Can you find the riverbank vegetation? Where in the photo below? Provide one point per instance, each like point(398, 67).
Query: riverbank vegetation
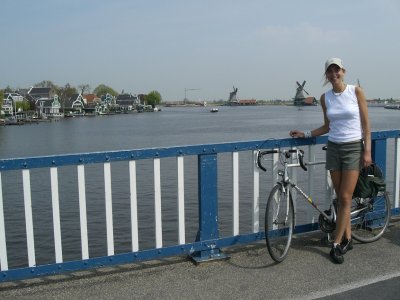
point(22, 101)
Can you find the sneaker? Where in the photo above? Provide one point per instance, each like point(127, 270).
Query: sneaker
point(336, 254)
point(346, 245)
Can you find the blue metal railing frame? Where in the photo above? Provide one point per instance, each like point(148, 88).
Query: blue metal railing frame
point(208, 242)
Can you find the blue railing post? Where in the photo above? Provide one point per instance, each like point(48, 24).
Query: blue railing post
point(379, 154)
point(208, 209)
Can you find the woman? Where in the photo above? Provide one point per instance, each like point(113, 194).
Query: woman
point(349, 146)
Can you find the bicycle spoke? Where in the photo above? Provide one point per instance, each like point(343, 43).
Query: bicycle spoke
point(370, 218)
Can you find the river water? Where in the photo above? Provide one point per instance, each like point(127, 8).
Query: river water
point(171, 127)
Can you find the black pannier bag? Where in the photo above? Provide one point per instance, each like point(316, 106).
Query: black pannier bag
point(370, 182)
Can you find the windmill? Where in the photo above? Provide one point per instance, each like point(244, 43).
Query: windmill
point(232, 96)
point(299, 98)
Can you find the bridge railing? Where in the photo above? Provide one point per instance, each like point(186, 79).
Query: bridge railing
point(152, 197)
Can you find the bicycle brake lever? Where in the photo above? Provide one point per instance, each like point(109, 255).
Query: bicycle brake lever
point(259, 155)
point(300, 156)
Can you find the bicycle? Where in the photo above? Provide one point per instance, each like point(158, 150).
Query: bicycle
point(369, 216)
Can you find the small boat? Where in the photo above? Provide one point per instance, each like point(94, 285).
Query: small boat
point(13, 121)
point(392, 106)
point(213, 110)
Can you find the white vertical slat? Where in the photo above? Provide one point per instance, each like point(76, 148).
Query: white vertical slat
point(310, 169)
point(311, 179)
point(235, 184)
point(330, 191)
point(181, 199)
point(56, 214)
point(82, 211)
point(3, 247)
point(157, 202)
point(28, 217)
point(275, 178)
point(397, 173)
point(275, 167)
point(134, 211)
point(328, 187)
point(109, 216)
point(256, 194)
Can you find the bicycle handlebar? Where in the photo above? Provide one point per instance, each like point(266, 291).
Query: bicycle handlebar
point(299, 153)
point(260, 155)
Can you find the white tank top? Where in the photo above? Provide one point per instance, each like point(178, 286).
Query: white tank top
point(344, 115)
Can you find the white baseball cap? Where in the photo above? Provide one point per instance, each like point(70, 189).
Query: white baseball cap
point(333, 61)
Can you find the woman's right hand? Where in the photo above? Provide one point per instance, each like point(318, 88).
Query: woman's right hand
point(296, 134)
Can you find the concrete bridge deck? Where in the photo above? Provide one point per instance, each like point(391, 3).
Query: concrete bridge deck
point(370, 271)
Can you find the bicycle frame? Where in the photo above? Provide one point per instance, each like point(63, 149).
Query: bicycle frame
point(285, 181)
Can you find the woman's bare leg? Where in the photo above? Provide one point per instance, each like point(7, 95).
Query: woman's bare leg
point(344, 183)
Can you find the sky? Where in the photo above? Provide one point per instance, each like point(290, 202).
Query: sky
point(205, 47)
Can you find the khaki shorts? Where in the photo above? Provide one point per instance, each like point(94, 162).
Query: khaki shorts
point(346, 156)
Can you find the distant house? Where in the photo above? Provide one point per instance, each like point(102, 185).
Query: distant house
point(37, 93)
point(75, 103)
point(242, 102)
point(108, 104)
point(8, 107)
point(91, 100)
point(127, 102)
point(248, 102)
point(310, 101)
point(13, 97)
point(9, 101)
point(49, 108)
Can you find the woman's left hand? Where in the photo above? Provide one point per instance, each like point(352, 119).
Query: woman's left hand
point(367, 158)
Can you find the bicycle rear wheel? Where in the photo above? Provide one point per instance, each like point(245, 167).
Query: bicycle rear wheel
point(279, 222)
point(370, 217)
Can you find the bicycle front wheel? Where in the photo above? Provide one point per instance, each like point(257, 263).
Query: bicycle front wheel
point(279, 222)
point(370, 217)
